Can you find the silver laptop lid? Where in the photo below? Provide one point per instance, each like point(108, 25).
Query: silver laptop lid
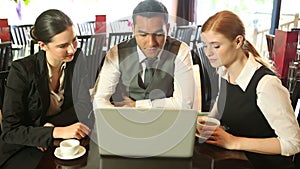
point(140, 132)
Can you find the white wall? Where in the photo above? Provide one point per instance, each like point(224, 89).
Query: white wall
point(78, 10)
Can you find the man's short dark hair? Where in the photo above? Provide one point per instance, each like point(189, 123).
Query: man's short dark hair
point(149, 9)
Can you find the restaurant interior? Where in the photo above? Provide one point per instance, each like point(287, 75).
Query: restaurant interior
point(99, 31)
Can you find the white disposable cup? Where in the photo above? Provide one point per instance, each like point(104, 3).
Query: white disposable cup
point(206, 126)
point(69, 147)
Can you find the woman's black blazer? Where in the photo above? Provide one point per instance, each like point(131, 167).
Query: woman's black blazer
point(27, 99)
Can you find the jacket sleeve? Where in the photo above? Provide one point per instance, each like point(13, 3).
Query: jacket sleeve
point(19, 124)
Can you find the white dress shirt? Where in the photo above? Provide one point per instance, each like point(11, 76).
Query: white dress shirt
point(184, 85)
point(273, 99)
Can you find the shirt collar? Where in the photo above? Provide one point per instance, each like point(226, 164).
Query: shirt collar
point(246, 74)
point(63, 66)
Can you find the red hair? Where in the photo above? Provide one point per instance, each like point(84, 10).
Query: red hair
point(230, 25)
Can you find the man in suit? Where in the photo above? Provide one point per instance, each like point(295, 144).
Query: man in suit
point(149, 70)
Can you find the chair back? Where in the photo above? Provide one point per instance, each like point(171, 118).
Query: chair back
point(197, 36)
point(86, 28)
point(209, 80)
point(5, 55)
point(92, 48)
point(22, 42)
point(122, 25)
point(295, 97)
point(3, 77)
point(294, 86)
point(20, 34)
point(270, 44)
point(118, 37)
point(184, 33)
point(4, 32)
point(197, 97)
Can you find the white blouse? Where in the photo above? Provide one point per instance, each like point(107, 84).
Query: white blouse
point(273, 99)
point(56, 99)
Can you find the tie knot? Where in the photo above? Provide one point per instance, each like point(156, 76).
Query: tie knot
point(149, 62)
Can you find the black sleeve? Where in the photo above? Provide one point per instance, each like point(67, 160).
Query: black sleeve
point(19, 125)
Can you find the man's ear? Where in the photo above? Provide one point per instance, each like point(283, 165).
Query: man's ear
point(168, 28)
point(132, 27)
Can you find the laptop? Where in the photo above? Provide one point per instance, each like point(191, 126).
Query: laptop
point(142, 132)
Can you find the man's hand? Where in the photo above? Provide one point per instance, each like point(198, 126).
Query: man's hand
point(127, 102)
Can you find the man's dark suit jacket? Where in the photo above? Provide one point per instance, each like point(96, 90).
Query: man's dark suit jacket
point(27, 98)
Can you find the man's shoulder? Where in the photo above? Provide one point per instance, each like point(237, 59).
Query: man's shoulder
point(173, 41)
point(128, 43)
point(174, 45)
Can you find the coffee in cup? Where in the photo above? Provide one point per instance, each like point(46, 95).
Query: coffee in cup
point(69, 147)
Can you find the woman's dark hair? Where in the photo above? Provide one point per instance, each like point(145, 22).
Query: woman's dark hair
point(48, 24)
point(150, 8)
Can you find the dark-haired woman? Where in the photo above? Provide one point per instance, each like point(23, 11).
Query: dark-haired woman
point(46, 95)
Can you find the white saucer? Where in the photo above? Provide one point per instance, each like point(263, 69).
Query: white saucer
point(80, 153)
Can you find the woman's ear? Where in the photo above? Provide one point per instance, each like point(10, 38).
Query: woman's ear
point(42, 45)
point(239, 40)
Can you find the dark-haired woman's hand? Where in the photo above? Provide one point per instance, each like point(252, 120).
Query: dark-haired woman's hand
point(77, 130)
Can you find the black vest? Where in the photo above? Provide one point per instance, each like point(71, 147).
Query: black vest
point(130, 82)
point(241, 115)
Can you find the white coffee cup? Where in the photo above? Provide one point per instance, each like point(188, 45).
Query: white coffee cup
point(69, 147)
point(206, 126)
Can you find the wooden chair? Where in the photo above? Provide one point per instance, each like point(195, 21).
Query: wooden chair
point(118, 37)
point(209, 80)
point(92, 48)
point(270, 44)
point(184, 33)
point(5, 55)
point(86, 28)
